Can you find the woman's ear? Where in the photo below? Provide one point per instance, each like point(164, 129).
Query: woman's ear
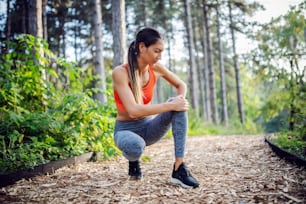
point(142, 47)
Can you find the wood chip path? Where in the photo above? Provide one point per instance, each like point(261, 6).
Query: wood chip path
point(230, 169)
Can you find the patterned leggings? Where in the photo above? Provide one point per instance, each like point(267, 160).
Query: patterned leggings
point(131, 137)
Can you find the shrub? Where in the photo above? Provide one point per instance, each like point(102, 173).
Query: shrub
point(40, 122)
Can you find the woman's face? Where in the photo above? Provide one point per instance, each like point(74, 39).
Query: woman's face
point(153, 53)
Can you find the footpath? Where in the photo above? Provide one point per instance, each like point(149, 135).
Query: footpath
point(231, 169)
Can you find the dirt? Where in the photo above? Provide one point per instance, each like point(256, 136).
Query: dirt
point(230, 169)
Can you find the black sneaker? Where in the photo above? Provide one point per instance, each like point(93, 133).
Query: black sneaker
point(183, 177)
point(134, 170)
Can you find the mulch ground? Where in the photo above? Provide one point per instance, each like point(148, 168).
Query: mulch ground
point(230, 169)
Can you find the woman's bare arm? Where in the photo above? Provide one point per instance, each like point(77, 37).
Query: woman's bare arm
point(172, 78)
point(121, 85)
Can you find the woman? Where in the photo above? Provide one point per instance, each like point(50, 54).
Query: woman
point(136, 127)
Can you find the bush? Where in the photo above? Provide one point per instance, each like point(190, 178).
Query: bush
point(40, 122)
point(292, 142)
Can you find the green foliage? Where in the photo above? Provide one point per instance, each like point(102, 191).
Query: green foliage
point(277, 62)
point(87, 124)
point(22, 86)
point(197, 126)
point(292, 142)
point(43, 120)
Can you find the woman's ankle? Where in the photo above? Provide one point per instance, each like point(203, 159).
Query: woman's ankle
point(178, 162)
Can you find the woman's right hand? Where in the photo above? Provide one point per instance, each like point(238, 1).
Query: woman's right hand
point(179, 103)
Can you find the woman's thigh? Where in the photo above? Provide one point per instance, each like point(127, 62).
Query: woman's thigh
point(158, 127)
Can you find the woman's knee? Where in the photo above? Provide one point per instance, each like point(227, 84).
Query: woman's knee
point(131, 144)
point(181, 113)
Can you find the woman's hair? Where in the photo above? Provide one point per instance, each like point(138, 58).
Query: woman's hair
point(148, 36)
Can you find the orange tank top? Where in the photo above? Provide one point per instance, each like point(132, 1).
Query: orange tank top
point(147, 91)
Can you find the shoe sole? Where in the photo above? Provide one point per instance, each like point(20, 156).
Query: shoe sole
point(176, 181)
point(135, 178)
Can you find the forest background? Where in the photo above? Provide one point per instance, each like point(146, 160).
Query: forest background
point(57, 56)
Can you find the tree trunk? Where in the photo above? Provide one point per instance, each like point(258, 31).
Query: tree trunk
point(204, 72)
point(292, 99)
point(170, 37)
point(201, 84)
point(35, 18)
point(201, 64)
point(45, 29)
point(75, 41)
point(200, 77)
point(162, 20)
point(224, 116)
point(237, 74)
point(24, 27)
point(44, 20)
point(35, 28)
point(99, 70)
point(211, 73)
point(193, 87)
point(8, 20)
point(118, 30)
point(76, 32)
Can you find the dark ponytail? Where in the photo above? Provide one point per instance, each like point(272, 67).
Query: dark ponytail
point(133, 71)
point(148, 36)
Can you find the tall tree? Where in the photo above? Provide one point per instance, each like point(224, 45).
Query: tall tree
point(8, 20)
point(35, 18)
point(211, 72)
point(193, 87)
point(224, 113)
point(237, 72)
point(99, 70)
point(278, 61)
point(35, 25)
point(118, 31)
point(44, 19)
point(197, 39)
point(160, 20)
point(169, 15)
point(204, 71)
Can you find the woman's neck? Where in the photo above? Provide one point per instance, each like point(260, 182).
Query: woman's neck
point(143, 67)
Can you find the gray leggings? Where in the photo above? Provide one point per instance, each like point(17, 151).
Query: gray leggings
point(131, 137)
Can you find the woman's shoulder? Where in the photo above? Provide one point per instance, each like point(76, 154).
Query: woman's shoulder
point(120, 71)
point(120, 68)
point(160, 69)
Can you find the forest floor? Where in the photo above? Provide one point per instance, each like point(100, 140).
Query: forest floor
point(230, 169)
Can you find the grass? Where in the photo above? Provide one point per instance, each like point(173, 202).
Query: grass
point(291, 142)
